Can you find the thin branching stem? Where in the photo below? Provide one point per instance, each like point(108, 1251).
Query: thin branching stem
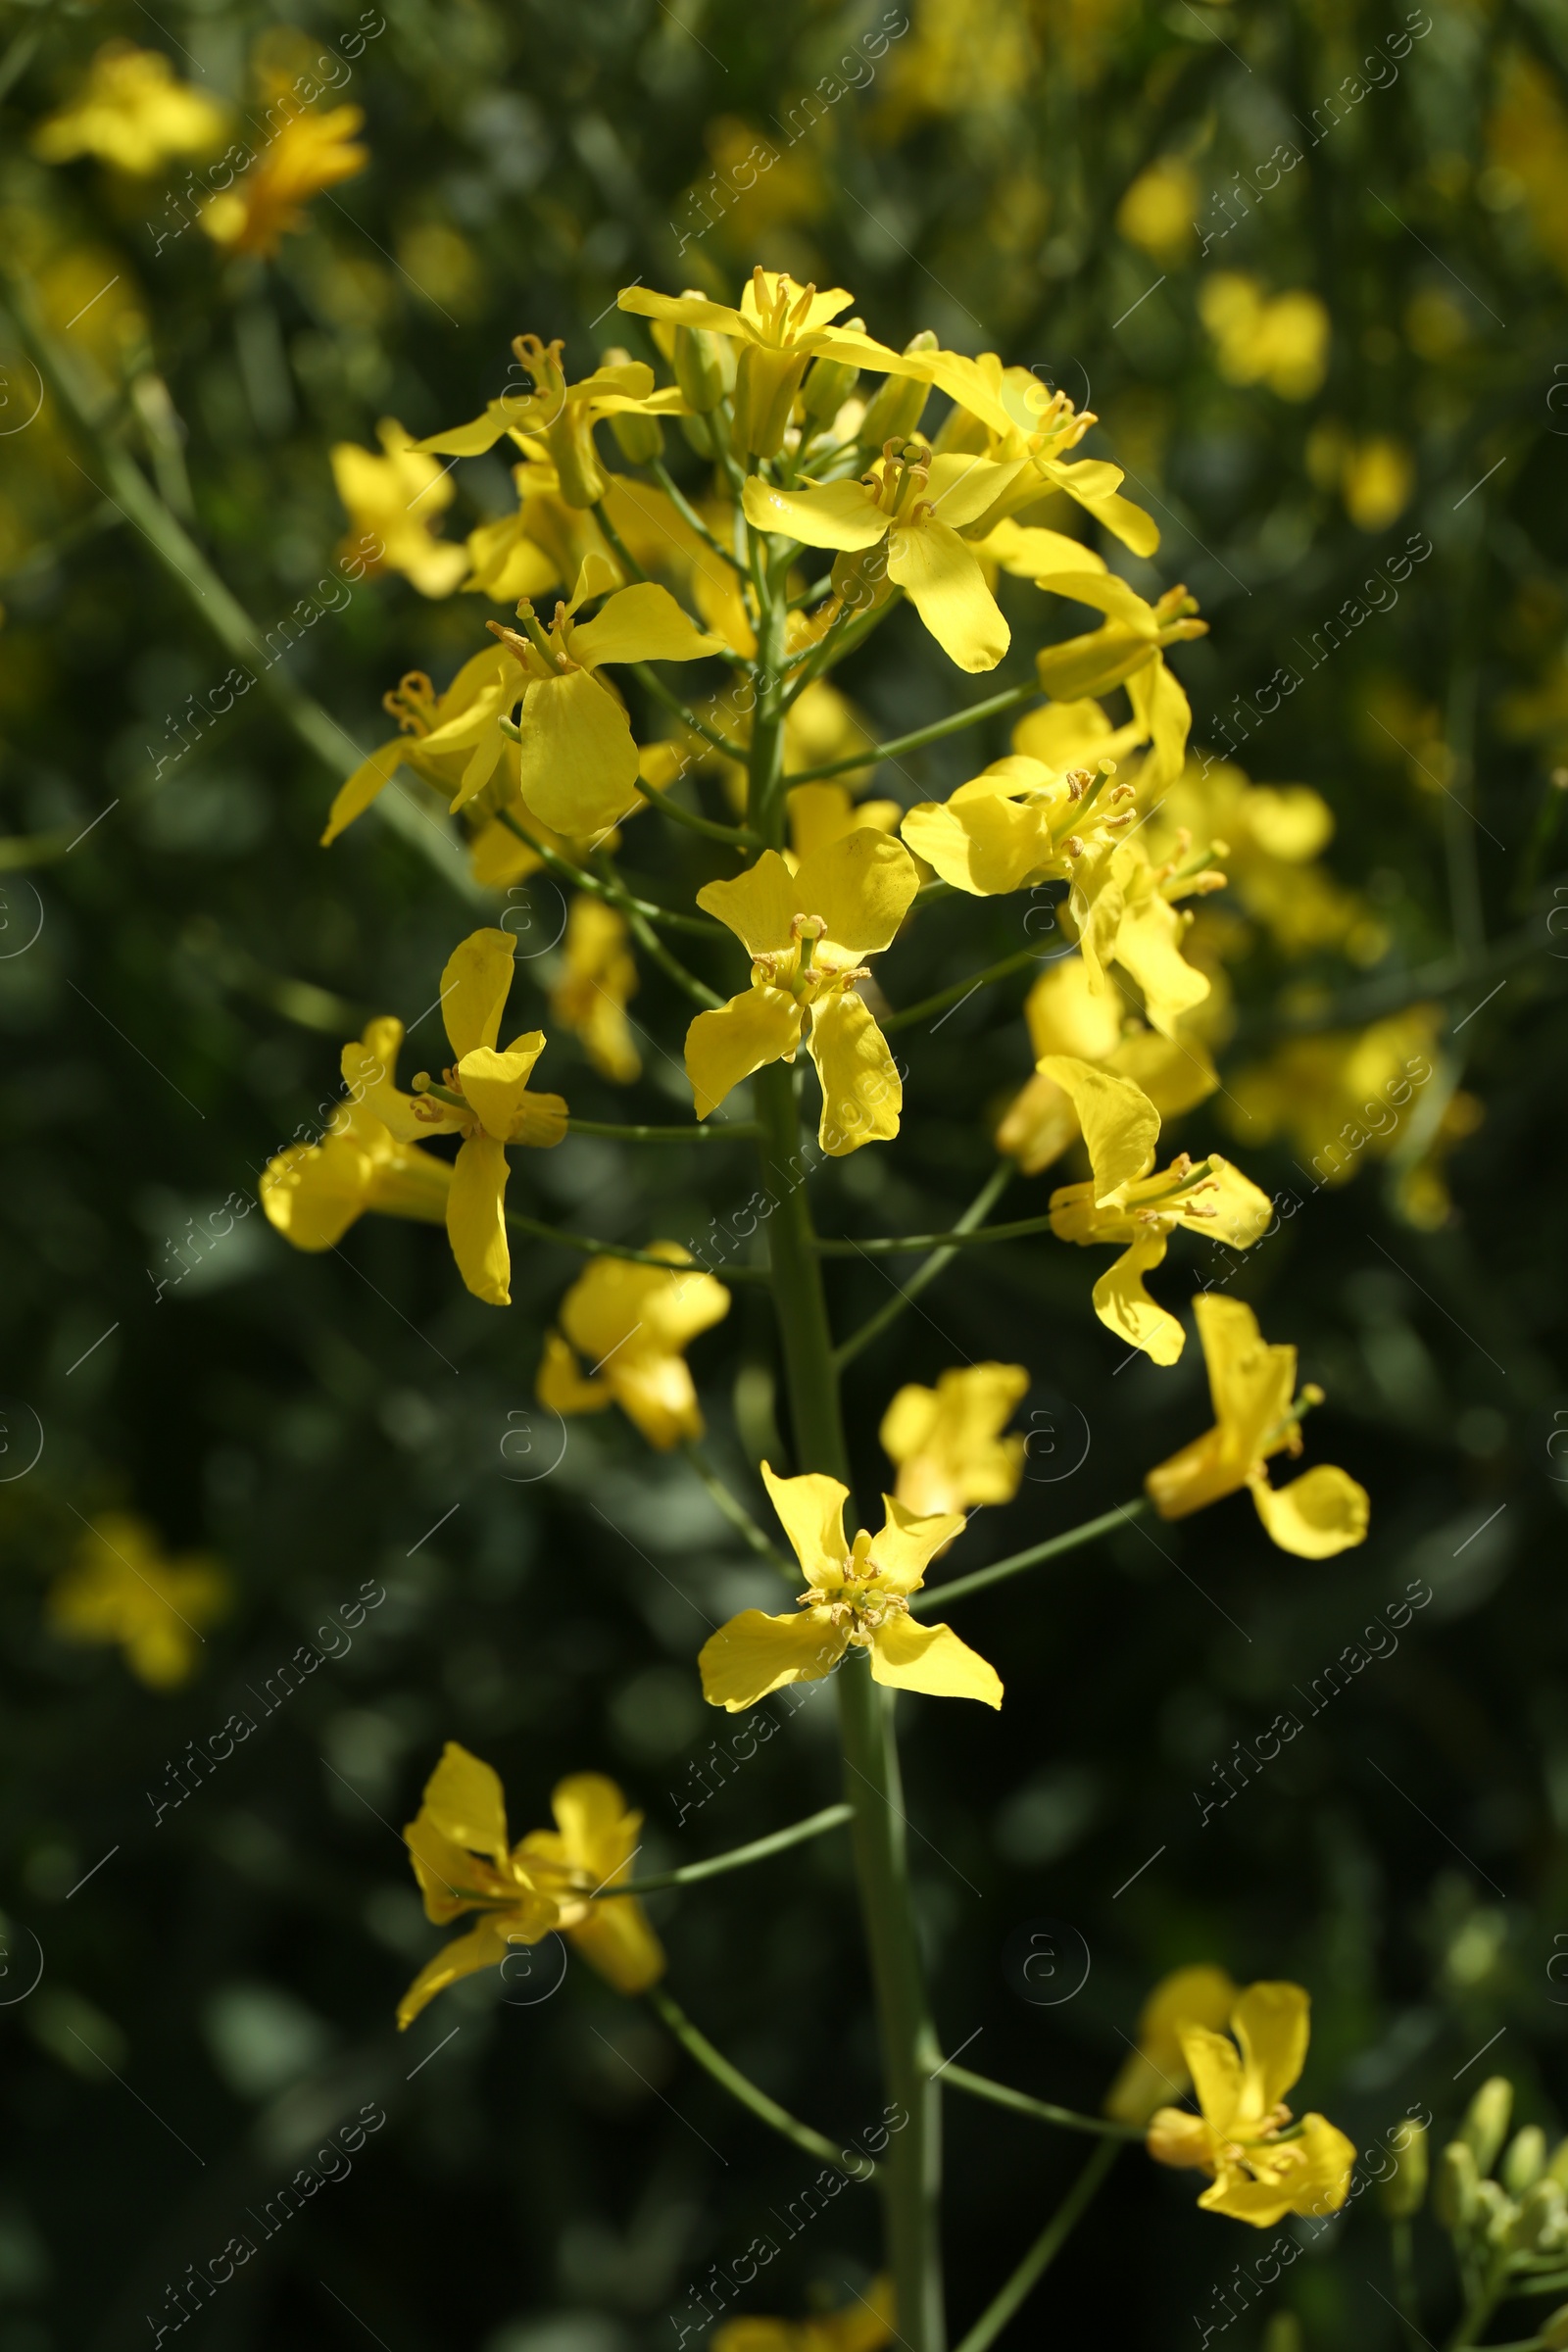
point(922, 736)
point(1044, 2111)
point(778, 1841)
point(778, 2119)
point(941, 1596)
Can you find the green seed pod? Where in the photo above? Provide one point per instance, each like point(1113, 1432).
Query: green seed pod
point(1486, 2123)
point(1554, 2331)
point(828, 385)
point(705, 367)
point(1525, 2160)
point(1456, 2196)
point(900, 404)
point(1400, 2192)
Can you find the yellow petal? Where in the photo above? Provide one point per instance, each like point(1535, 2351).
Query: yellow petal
point(616, 1939)
point(962, 486)
point(464, 1801)
point(755, 1654)
point(658, 1395)
point(862, 1091)
point(1156, 2069)
point(1066, 1015)
point(1039, 1124)
point(473, 989)
point(913, 1657)
point(1176, 2137)
point(477, 1224)
point(1175, 1074)
point(759, 905)
point(641, 623)
point(909, 1541)
point(616, 1307)
point(810, 1511)
point(560, 1385)
point(485, 1945)
point(1095, 486)
point(942, 578)
point(1162, 710)
point(1241, 1213)
point(496, 1088)
point(313, 1193)
point(1120, 1124)
point(369, 1068)
point(1125, 1307)
point(862, 886)
point(947, 1440)
point(1319, 1513)
point(1215, 2066)
point(761, 1025)
point(986, 846)
point(1146, 947)
point(354, 798)
point(576, 761)
point(1250, 1383)
point(840, 514)
point(1031, 554)
point(470, 440)
point(1272, 2023)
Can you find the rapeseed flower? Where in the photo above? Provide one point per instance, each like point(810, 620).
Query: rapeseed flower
point(562, 415)
point(1257, 1415)
point(947, 1444)
point(863, 2326)
point(310, 153)
point(597, 977)
point(396, 498)
point(1155, 2069)
point(121, 1588)
point(632, 1324)
point(1262, 2165)
point(1066, 1016)
point(857, 1596)
point(132, 112)
point(313, 1193)
point(806, 931)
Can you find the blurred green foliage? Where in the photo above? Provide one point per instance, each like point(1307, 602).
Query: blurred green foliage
point(1085, 186)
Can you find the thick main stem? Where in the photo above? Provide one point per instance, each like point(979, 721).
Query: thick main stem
point(910, 2174)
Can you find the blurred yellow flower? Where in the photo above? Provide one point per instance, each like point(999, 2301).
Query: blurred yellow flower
point(1526, 135)
point(1159, 209)
point(1066, 1016)
point(864, 2326)
point(857, 1596)
point(597, 977)
point(1274, 836)
point(310, 153)
point(632, 1324)
point(133, 112)
point(806, 933)
point(1156, 2069)
point(947, 1441)
point(313, 1193)
point(1340, 1093)
point(1257, 1415)
point(120, 1587)
point(918, 503)
point(396, 498)
point(462, 1860)
point(1378, 479)
point(1280, 340)
point(1262, 2165)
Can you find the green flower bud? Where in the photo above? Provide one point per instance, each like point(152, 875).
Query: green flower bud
point(828, 385)
point(1557, 2167)
point(1496, 2212)
point(1554, 2331)
point(699, 433)
point(640, 439)
point(705, 367)
point(1400, 2192)
point(1541, 2218)
point(900, 404)
point(1486, 2123)
point(1456, 2196)
point(570, 442)
point(1525, 2161)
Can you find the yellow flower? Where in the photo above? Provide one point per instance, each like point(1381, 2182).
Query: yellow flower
point(917, 502)
point(632, 1323)
point(483, 1097)
point(562, 415)
point(577, 762)
point(1282, 341)
point(1341, 1093)
point(596, 981)
point(806, 932)
point(1126, 650)
point(313, 1193)
point(1257, 1414)
point(1274, 835)
point(120, 1587)
point(857, 1596)
point(780, 327)
point(1379, 477)
point(311, 152)
point(1158, 210)
point(1261, 2164)
point(1156, 2069)
point(133, 112)
point(1126, 1206)
point(396, 499)
point(1066, 1016)
point(863, 2326)
point(458, 1846)
point(947, 1441)
point(1123, 909)
point(1017, 824)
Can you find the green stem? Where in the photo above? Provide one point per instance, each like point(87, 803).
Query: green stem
point(737, 1131)
point(980, 2087)
point(961, 1587)
point(618, 546)
point(655, 685)
point(911, 2169)
point(648, 939)
point(816, 1824)
point(740, 1518)
point(951, 725)
point(1402, 2248)
point(734, 837)
point(127, 488)
point(778, 2119)
point(692, 520)
point(961, 989)
point(890, 1244)
point(1047, 2246)
point(906, 1294)
point(589, 1248)
point(565, 871)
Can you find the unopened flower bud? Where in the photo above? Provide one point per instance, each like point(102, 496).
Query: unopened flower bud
point(1456, 2196)
point(1400, 2192)
point(828, 386)
point(901, 404)
point(704, 367)
point(1485, 2121)
point(640, 439)
point(1525, 2161)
